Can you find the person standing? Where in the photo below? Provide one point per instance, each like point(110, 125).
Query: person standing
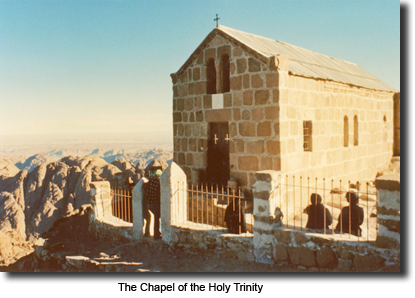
point(152, 196)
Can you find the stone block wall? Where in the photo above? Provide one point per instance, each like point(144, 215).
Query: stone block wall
point(389, 211)
point(326, 103)
point(265, 109)
point(250, 108)
point(311, 252)
point(101, 221)
point(213, 242)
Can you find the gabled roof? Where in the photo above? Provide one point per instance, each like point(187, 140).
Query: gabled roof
point(302, 62)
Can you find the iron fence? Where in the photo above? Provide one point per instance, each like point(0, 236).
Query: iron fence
point(335, 215)
point(122, 204)
point(214, 207)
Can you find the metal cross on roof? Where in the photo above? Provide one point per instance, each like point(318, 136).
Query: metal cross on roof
point(217, 19)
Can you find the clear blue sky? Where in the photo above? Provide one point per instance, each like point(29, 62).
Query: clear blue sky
point(96, 66)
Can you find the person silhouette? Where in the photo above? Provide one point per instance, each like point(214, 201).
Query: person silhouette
point(351, 217)
point(235, 217)
point(315, 213)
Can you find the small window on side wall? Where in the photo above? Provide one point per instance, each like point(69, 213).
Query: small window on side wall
point(346, 131)
point(356, 131)
point(307, 135)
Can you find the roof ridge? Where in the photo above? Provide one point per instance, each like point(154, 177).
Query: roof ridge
point(283, 42)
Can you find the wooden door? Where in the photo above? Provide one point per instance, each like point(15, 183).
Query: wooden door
point(218, 153)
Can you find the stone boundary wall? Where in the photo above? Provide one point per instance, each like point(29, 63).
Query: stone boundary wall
point(101, 221)
point(322, 253)
point(213, 242)
point(274, 244)
point(389, 211)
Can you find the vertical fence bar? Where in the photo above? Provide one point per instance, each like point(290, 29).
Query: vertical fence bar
point(212, 202)
point(202, 204)
point(286, 196)
point(280, 185)
point(315, 186)
point(301, 201)
point(197, 203)
point(332, 206)
point(350, 215)
point(308, 188)
point(341, 213)
point(217, 209)
point(221, 198)
point(227, 203)
point(367, 195)
point(324, 210)
point(128, 205)
point(294, 200)
point(207, 204)
point(123, 203)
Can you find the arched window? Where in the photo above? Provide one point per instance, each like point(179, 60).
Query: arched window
point(355, 131)
point(225, 73)
point(385, 129)
point(211, 76)
point(346, 131)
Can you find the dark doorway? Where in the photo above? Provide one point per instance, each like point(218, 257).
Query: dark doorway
point(218, 153)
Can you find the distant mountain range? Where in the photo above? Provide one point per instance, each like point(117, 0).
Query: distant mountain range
point(37, 191)
point(142, 156)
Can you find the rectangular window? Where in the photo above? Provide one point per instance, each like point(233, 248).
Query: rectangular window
point(307, 133)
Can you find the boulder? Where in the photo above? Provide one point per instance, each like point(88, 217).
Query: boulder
point(302, 256)
point(326, 258)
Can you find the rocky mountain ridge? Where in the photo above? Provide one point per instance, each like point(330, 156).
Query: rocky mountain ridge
point(35, 196)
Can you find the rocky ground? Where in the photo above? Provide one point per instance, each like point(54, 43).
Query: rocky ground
point(70, 237)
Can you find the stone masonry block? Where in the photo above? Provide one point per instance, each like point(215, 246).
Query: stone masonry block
point(282, 236)
point(248, 98)
point(368, 263)
point(247, 129)
point(264, 129)
point(236, 83)
point(302, 256)
point(256, 81)
point(257, 114)
point(391, 183)
point(245, 81)
point(237, 52)
point(256, 147)
point(248, 163)
point(266, 176)
point(326, 258)
point(241, 65)
point(246, 115)
point(254, 65)
point(271, 113)
point(271, 80)
point(280, 252)
point(261, 97)
point(273, 147)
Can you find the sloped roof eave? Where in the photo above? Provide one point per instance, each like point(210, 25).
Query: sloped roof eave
point(208, 39)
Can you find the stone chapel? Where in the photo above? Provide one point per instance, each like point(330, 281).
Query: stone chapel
point(244, 103)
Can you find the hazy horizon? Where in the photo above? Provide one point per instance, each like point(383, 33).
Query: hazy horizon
point(82, 143)
point(104, 66)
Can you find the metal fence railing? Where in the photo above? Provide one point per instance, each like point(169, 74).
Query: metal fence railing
point(214, 207)
point(328, 206)
point(121, 204)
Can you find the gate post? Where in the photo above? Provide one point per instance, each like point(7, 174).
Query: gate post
point(266, 214)
point(173, 188)
point(138, 210)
